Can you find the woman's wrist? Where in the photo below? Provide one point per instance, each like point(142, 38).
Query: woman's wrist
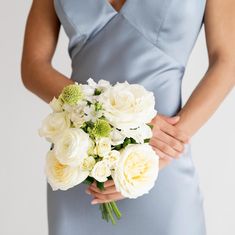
point(44, 81)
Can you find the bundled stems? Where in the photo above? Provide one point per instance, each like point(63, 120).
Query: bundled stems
point(107, 210)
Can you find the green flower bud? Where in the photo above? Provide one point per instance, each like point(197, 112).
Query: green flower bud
point(101, 128)
point(71, 94)
point(98, 106)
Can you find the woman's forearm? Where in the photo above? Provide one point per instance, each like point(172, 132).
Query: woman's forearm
point(43, 80)
point(206, 97)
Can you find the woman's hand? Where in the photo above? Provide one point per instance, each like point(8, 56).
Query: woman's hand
point(107, 195)
point(168, 140)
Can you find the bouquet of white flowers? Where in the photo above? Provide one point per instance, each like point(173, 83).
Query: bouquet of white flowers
point(98, 132)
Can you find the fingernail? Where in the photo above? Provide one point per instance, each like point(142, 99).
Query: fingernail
point(176, 117)
point(88, 192)
point(94, 202)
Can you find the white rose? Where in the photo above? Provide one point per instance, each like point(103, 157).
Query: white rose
point(88, 163)
point(139, 134)
point(56, 105)
point(101, 171)
point(71, 146)
point(63, 176)
point(103, 146)
point(128, 105)
point(136, 171)
point(54, 124)
point(112, 158)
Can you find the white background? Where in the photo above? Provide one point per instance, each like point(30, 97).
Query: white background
point(22, 151)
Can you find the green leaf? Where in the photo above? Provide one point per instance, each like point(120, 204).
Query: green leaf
point(110, 177)
point(126, 142)
point(150, 125)
point(88, 180)
point(117, 147)
point(100, 185)
point(133, 141)
point(146, 140)
point(97, 91)
point(89, 103)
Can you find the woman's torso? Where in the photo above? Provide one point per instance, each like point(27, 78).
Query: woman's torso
point(147, 42)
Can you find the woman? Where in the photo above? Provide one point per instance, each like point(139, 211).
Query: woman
point(146, 42)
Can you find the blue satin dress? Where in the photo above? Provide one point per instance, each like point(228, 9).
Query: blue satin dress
point(146, 42)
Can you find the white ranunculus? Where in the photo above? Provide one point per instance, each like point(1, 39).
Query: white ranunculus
point(103, 146)
point(112, 158)
point(54, 124)
point(139, 134)
point(88, 163)
point(62, 176)
point(117, 137)
point(101, 171)
point(136, 171)
point(56, 105)
point(128, 105)
point(71, 146)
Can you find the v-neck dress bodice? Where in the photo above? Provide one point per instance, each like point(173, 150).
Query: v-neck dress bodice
point(146, 42)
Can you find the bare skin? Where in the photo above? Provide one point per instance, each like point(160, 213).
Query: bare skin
point(117, 4)
point(170, 134)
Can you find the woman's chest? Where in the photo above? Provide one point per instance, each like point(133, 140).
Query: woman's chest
point(165, 23)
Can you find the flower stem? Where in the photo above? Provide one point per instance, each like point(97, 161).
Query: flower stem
point(115, 209)
point(107, 207)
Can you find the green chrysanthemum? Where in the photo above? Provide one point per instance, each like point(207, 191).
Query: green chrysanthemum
point(71, 94)
point(101, 128)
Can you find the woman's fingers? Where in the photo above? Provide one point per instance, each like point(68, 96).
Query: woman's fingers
point(163, 147)
point(174, 132)
point(169, 140)
point(111, 189)
point(162, 155)
point(108, 183)
point(101, 197)
point(108, 198)
point(107, 195)
point(166, 124)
